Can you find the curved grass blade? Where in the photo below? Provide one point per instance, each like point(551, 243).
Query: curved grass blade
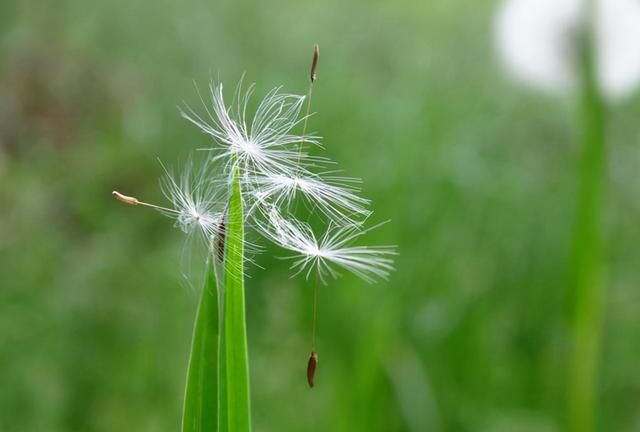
point(236, 361)
point(200, 412)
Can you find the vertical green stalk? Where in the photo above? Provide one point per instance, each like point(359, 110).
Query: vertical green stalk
point(586, 267)
point(200, 412)
point(217, 394)
point(236, 362)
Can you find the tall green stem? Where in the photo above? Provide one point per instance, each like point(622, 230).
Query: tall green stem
point(586, 268)
point(236, 359)
point(217, 395)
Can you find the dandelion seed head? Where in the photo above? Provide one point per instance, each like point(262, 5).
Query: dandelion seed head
point(257, 167)
point(274, 169)
point(335, 197)
point(330, 251)
point(246, 146)
point(258, 143)
point(198, 200)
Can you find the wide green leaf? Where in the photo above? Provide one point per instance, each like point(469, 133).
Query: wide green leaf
point(201, 394)
point(236, 362)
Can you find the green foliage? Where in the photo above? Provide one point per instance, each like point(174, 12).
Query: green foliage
point(217, 393)
point(201, 393)
point(586, 288)
point(235, 332)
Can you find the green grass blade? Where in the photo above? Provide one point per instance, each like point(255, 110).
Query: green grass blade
point(235, 334)
point(200, 412)
point(587, 284)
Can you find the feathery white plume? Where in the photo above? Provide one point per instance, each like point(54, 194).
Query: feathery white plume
point(274, 170)
point(198, 201)
point(331, 250)
point(264, 144)
point(334, 196)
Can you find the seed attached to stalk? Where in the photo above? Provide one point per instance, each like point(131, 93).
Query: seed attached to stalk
point(135, 201)
point(314, 75)
point(311, 368)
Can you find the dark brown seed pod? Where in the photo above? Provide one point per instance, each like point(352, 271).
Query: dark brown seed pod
point(311, 368)
point(222, 236)
point(314, 63)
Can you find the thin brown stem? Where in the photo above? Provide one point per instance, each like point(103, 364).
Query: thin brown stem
point(315, 315)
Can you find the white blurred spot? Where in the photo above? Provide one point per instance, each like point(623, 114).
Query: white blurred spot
point(538, 40)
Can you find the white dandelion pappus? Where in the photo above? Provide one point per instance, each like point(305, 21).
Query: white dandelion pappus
point(334, 196)
point(331, 250)
point(266, 144)
point(198, 203)
point(198, 200)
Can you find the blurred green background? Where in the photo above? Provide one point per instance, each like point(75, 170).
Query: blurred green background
point(476, 173)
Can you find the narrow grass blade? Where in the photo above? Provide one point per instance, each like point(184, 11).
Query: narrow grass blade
point(201, 395)
point(587, 287)
point(235, 334)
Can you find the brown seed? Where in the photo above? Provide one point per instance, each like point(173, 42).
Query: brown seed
point(311, 368)
point(314, 63)
point(222, 235)
point(125, 199)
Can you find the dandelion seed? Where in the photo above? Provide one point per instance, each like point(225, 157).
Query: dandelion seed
point(314, 63)
point(125, 199)
point(312, 364)
point(331, 250)
point(197, 202)
point(314, 67)
point(273, 170)
point(262, 145)
point(334, 196)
